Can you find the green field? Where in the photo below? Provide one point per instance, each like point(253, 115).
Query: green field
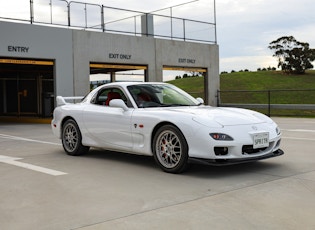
point(284, 89)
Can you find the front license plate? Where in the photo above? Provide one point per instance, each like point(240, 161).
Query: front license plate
point(261, 140)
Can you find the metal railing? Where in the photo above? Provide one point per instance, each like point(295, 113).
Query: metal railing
point(271, 102)
point(88, 16)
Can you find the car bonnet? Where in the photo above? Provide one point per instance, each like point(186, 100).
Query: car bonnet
point(224, 116)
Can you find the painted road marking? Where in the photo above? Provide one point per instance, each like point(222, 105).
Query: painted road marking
point(298, 138)
point(26, 139)
point(14, 161)
point(299, 130)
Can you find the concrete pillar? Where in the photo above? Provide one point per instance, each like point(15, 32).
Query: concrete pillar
point(147, 28)
point(113, 76)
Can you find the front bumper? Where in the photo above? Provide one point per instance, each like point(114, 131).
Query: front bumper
point(221, 162)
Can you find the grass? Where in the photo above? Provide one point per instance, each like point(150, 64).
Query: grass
point(194, 86)
point(284, 89)
point(267, 80)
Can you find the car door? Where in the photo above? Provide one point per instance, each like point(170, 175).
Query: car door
point(108, 126)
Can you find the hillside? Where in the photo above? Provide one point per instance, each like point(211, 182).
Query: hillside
point(267, 80)
point(284, 89)
point(263, 80)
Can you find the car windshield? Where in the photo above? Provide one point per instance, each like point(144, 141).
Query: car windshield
point(160, 95)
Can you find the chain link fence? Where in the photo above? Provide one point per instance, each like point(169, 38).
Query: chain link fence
point(271, 102)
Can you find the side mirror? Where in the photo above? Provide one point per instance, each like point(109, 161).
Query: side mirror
point(200, 100)
point(118, 103)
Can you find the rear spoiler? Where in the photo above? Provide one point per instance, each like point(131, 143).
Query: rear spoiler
point(62, 100)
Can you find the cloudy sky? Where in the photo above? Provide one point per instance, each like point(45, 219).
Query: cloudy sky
point(244, 27)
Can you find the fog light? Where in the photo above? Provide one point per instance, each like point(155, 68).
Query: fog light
point(221, 151)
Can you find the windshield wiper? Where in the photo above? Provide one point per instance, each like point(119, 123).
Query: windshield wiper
point(173, 105)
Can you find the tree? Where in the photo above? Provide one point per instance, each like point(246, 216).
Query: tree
point(293, 56)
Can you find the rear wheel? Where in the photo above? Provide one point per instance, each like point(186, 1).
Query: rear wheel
point(72, 139)
point(170, 149)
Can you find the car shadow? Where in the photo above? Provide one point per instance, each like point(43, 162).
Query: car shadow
point(258, 167)
point(119, 157)
point(193, 170)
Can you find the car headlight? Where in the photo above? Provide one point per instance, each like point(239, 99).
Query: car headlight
point(221, 137)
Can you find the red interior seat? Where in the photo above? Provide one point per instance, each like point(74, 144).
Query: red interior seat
point(112, 95)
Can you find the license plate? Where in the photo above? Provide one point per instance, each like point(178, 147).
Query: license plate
point(261, 140)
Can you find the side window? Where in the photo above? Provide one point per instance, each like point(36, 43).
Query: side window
point(102, 97)
point(108, 94)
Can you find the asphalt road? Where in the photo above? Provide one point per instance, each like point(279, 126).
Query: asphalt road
point(43, 188)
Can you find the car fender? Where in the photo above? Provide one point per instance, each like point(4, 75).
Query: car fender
point(146, 122)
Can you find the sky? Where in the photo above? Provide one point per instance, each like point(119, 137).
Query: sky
point(244, 27)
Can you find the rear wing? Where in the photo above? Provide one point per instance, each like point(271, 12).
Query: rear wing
point(63, 100)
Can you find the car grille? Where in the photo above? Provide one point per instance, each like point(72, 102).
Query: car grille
point(248, 149)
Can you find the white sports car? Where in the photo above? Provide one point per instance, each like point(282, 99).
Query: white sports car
point(161, 120)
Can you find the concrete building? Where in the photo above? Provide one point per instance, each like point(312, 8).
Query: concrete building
point(39, 62)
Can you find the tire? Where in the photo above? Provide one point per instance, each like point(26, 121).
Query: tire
point(72, 139)
point(170, 149)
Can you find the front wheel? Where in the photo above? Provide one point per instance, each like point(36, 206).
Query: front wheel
point(170, 149)
point(72, 139)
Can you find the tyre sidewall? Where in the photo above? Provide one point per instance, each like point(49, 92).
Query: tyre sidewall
point(183, 162)
point(79, 148)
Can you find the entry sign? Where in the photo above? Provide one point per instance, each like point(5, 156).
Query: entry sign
point(261, 140)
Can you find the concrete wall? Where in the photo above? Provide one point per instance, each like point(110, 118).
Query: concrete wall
point(109, 48)
point(155, 53)
point(41, 43)
point(194, 55)
point(73, 50)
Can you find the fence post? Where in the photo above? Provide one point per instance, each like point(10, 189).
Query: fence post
point(102, 18)
point(135, 24)
point(31, 11)
point(184, 24)
point(269, 106)
point(218, 98)
point(69, 16)
point(85, 14)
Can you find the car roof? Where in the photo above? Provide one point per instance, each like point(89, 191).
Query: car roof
point(131, 83)
point(123, 85)
point(126, 84)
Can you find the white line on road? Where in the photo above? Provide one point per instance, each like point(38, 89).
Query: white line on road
point(26, 139)
point(298, 138)
point(299, 130)
point(13, 161)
